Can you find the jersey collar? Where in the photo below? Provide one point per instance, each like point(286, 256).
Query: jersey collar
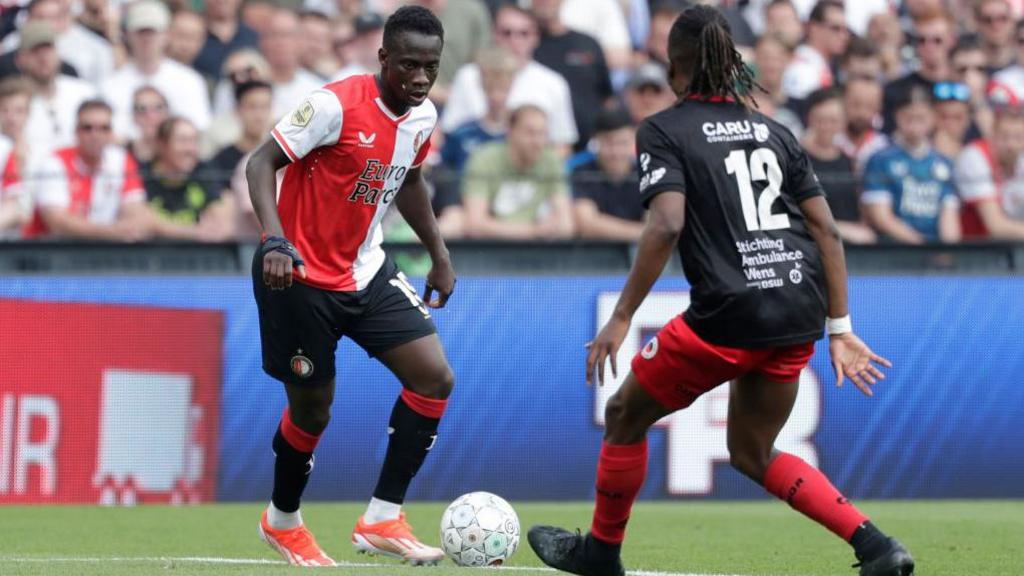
point(714, 99)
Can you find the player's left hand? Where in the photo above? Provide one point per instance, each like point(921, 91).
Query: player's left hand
point(852, 358)
point(441, 278)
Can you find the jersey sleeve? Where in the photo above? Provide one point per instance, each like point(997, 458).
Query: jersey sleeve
point(973, 175)
point(801, 181)
point(661, 166)
point(877, 183)
point(315, 122)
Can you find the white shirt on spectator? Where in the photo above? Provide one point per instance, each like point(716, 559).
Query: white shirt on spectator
point(601, 19)
point(352, 69)
point(873, 142)
point(288, 95)
point(1013, 79)
point(535, 84)
point(51, 123)
point(976, 183)
point(807, 72)
point(91, 56)
point(183, 87)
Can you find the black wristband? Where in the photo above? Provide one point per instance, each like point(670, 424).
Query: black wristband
point(282, 245)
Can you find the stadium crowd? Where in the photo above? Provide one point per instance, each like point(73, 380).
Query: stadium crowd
point(132, 120)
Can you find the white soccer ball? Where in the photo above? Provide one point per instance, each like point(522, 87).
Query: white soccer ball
point(479, 529)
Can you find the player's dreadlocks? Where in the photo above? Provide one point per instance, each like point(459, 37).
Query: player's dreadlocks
point(701, 42)
point(411, 19)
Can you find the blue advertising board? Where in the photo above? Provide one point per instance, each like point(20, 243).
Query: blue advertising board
point(947, 422)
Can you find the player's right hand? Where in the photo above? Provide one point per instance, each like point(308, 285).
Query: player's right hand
point(606, 346)
point(280, 258)
point(852, 358)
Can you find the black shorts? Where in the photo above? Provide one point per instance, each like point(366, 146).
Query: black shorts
point(300, 326)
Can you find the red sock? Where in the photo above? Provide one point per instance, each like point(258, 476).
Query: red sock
point(620, 475)
point(809, 492)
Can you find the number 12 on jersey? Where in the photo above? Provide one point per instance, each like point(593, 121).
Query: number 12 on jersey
point(763, 166)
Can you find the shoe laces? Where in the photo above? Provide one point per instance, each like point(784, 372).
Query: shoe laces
point(568, 543)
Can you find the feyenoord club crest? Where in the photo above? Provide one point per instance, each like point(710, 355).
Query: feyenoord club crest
point(302, 366)
point(421, 137)
point(650, 350)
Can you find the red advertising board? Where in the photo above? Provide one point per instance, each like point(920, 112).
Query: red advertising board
point(108, 403)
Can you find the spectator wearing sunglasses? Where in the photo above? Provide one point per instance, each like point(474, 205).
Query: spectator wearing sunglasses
point(241, 66)
point(226, 32)
point(970, 68)
point(827, 37)
point(149, 110)
point(908, 193)
point(990, 175)
point(953, 124)
point(933, 39)
point(995, 23)
point(92, 189)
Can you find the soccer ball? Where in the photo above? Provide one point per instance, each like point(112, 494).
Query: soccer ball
point(479, 529)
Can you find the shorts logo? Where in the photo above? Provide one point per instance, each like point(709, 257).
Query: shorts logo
point(302, 366)
point(650, 350)
point(303, 114)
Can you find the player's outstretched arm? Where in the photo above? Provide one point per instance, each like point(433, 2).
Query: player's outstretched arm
point(261, 173)
point(851, 357)
point(658, 239)
point(413, 203)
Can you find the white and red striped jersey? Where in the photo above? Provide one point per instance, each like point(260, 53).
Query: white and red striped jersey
point(350, 155)
point(62, 180)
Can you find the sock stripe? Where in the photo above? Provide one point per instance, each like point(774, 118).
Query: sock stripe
point(297, 438)
point(426, 407)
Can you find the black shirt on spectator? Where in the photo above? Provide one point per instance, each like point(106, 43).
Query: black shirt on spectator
point(181, 200)
point(223, 165)
point(614, 198)
point(840, 185)
point(580, 60)
point(214, 52)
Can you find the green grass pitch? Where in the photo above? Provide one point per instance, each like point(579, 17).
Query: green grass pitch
point(665, 539)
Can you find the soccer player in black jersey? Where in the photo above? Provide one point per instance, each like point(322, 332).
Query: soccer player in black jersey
point(768, 276)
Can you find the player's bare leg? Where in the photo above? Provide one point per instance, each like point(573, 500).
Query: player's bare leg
point(758, 409)
point(281, 527)
point(621, 469)
point(427, 382)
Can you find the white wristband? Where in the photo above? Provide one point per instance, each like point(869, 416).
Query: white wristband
point(836, 326)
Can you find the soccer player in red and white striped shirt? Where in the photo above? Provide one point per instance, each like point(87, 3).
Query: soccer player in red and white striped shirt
point(320, 188)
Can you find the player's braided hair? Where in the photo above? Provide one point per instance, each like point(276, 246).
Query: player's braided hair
point(411, 19)
point(701, 42)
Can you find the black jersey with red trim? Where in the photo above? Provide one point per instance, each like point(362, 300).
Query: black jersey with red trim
point(755, 272)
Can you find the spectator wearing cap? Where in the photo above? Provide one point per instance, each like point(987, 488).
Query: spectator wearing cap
point(183, 192)
point(970, 68)
point(467, 30)
point(953, 124)
point(52, 113)
point(647, 92)
point(827, 37)
point(605, 203)
point(91, 56)
point(933, 39)
point(15, 95)
point(361, 50)
point(226, 32)
point(516, 31)
point(995, 22)
point(185, 37)
point(516, 189)
point(280, 44)
point(240, 66)
point(253, 103)
point(579, 59)
point(862, 139)
point(825, 122)
point(146, 24)
point(317, 55)
point(91, 190)
point(604, 21)
point(908, 193)
point(663, 16)
point(149, 110)
point(771, 56)
point(990, 178)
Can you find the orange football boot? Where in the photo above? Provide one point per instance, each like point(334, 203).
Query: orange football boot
point(295, 545)
point(394, 538)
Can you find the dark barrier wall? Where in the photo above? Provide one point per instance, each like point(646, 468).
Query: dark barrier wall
point(112, 403)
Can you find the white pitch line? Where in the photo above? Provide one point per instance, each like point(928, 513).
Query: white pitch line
point(267, 562)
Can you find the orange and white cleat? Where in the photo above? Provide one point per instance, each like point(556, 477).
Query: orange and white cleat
point(394, 538)
point(297, 545)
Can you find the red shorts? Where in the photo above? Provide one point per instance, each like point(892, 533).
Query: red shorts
point(677, 366)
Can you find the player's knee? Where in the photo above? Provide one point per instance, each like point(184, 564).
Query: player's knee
point(436, 384)
point(313, 420)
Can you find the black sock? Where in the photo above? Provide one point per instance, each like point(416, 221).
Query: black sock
point(869, 542)
point(291, 472)
point(412, 437)
point(601, 550)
